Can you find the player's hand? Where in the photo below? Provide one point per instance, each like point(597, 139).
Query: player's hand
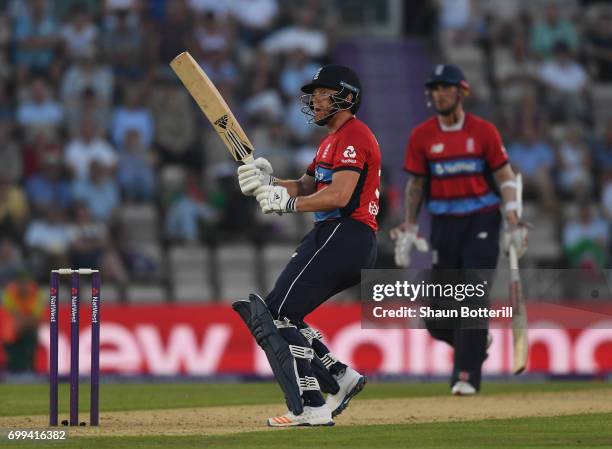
point(406, 236)
point(515, 235)
point(254, 175)
point(275, 199)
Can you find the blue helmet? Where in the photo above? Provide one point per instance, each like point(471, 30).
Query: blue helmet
point(447, 74)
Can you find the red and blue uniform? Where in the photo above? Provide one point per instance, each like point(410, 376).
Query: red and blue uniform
point(352, 147)
point(458, 164)
point(329, 259)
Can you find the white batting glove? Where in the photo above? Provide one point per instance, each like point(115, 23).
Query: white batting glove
point(275, 199)
point(405, 238)
point(516, 236)
point(254, 175)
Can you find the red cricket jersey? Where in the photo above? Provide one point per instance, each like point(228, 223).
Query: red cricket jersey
point(352, 147)
point(459, 163)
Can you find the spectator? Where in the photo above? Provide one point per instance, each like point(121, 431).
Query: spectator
point(606, 196)
point(188, 211)
point(585, 239)
point(11, 167)
point(133, 115)
point(124, 49)
point(255, 18)
point(217, 8)
point(91, 246)
point(574, 164)
point(566, 83)
point(80, 35)
point(598, 45)
point(24, 303)
point(455, 21)
point(175, 125)
point(14, 210)
point(534, 159)
point(297, 72)
point(40, 110)
point(135, 170)
point(89, 108)
point(516, 76)
point(263, 97)
point(99, 192)
point(211, 34)
point(222, 71)
point(7, 109)
point(47, 239)
point(87, 72)
point(303, 35)
point(36, 37)
point(602, 150)
point(48, 187)
point(11, 260)
point(34, 152)
point(171, 36)
point(6, 34)
point(87, 147)
point(554, 29)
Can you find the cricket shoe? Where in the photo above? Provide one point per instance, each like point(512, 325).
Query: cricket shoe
point(351, 383)
point(311, 416)
point(462, 388)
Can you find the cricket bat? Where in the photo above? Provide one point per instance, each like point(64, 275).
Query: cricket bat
point(517, 300)
point(213, 106)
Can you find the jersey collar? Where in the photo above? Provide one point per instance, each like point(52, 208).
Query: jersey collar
point(344, 124)
point(456, 127)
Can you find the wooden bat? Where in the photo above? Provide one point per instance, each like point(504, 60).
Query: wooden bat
point(519, 312)
point(213, 106)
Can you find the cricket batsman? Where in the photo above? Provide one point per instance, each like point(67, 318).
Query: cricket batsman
point(341, 186)
point(458, 165)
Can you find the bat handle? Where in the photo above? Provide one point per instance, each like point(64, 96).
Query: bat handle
point(248, 160)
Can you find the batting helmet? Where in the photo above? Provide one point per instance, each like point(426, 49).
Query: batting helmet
point(447, 74)
point(340, 78)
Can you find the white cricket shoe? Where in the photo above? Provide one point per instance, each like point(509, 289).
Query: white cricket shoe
point(311, 416)
point(462, 388)
point(351, 383)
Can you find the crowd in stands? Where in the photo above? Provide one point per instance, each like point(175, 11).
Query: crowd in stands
point(93, 122)
point(543, 73)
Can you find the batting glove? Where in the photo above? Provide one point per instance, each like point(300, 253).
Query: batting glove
point(254, 175)
point(516, 236)
point(275, 199)
point(405, 238)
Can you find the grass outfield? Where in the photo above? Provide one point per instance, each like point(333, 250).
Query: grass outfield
point(589, 430)
point(19, 400)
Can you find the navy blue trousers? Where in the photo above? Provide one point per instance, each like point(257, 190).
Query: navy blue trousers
point(465, 242)
point(328, 260)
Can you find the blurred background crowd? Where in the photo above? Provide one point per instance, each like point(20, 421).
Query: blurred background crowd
point(105, 160)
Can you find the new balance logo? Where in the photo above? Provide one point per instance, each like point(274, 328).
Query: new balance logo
point(222, 122)
point(437, 148)
point(276, 197)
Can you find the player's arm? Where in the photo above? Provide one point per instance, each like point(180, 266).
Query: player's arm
point(506, 181)
point(413, 198)
point(298, 187)
point(334, 196)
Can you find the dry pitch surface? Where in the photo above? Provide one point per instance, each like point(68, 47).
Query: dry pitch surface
point(216, 420)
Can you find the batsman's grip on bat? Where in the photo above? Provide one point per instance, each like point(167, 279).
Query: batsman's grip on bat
point(406, 236)
point(255, 174)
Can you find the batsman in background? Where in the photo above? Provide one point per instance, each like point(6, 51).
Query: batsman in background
point(458, 165)
point(341, 186)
